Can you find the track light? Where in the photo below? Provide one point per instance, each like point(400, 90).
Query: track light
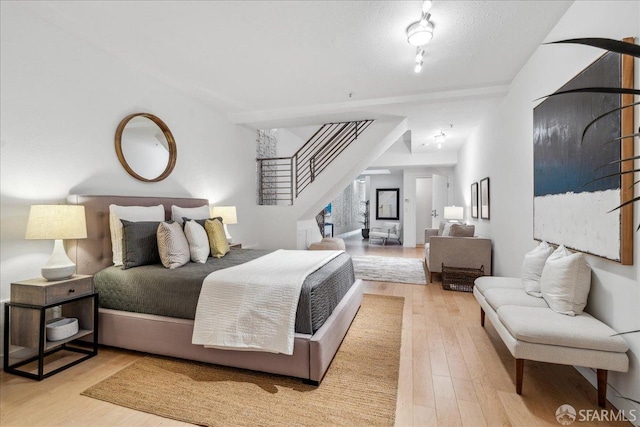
point(418, 67)
point(426, 6)
point(421, 32)
point(419, 55)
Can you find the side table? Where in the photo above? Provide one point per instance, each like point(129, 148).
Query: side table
point(26, 314)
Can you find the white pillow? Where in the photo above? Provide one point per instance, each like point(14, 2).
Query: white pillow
point(177, 213)
point(130, 213)
point(172, 245)
point(532, 268)
point(565, 282)
point(198, 241)
point(447, 229)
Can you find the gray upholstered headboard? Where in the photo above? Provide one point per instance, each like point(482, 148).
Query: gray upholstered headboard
point(94, 253)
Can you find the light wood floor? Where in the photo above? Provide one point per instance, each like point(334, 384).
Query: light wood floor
point(452, 372)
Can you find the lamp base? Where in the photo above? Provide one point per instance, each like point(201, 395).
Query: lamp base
point(59, 266)
point(58, 273)
point(226, 232)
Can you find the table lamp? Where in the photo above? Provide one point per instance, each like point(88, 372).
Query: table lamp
point(229, 216)
point(453, 213)
point(57, 222)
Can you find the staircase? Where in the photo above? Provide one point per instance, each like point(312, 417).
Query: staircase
point(282, 179)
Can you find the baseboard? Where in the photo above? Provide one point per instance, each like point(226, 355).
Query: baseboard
point(618, 403)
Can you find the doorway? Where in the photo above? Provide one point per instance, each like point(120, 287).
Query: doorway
point(423, 207)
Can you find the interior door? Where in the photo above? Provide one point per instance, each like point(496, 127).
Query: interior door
point(423, 207)
point(439, 191)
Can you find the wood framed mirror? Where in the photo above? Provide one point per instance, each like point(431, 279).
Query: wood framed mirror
point(145, 147)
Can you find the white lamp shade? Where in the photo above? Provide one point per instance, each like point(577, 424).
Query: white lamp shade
point(53, 222)
point(227, 213)
point(57, 222)
point(453, 212)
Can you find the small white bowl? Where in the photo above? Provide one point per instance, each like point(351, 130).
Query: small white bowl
point(59, 329)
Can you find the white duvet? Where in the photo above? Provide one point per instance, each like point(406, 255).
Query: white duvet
point(253, 306)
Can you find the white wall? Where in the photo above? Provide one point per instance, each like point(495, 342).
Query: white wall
point(502, 148)
point(61, 102)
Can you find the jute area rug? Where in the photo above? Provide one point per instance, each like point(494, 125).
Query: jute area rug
point(359, 388)
point(389, 269)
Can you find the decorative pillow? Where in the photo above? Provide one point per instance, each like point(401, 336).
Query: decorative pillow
point(447, 229)
point(139, 243)
point(130, 213)
point(172, 245)
point(178, 214)
point(217, 238)
point(441, 228)
point(461, 230)
point(565, 282)
point(201, 221)
point(198, 241)
point(532, 268)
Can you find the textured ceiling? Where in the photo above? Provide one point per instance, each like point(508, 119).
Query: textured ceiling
point(276, 59)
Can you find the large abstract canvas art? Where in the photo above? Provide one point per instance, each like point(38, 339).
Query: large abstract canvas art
point(571, 203)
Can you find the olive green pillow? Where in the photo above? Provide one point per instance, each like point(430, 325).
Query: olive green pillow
point(217, 238)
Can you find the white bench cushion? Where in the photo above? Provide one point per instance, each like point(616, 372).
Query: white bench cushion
point(544, 326)
point(498, 297)
point(490, 282)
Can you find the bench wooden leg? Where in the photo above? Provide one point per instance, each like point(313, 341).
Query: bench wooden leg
point(602, 388)
point(519, 373)
point(481, 317)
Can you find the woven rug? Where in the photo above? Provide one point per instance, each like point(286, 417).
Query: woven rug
point(359, 388)
point(389, 269)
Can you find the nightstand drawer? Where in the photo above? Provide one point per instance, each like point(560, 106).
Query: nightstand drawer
point(43, 292)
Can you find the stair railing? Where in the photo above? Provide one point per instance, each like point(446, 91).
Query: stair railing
point(281, 179)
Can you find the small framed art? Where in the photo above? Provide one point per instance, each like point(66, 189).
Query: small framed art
point(484, 198)
point(474, 200)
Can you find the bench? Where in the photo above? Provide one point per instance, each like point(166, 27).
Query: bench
point(532, 331)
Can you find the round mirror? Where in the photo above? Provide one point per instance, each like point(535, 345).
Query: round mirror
point(145, 147)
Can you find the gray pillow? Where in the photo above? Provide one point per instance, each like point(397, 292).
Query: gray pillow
point(461, 230)
point(139, 243)
point(199, 221)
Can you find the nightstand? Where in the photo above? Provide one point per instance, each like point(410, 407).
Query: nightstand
point(235, 245)
point(31, 305)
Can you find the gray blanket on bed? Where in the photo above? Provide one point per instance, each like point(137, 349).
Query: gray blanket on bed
point(153, 289)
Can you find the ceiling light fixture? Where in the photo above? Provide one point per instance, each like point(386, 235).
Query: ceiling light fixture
point(420, 32)
point(439, 138)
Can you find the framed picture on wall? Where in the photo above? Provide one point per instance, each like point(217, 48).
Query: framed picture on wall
point(474, 200)
point(388, 203)
point(484, 198)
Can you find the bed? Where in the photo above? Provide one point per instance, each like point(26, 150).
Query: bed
point(170, 335)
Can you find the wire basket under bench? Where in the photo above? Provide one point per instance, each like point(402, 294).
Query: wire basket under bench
point(460, 279)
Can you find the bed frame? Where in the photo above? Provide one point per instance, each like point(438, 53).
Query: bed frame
point(169, 336)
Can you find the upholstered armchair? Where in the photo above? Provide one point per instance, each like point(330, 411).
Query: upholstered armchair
point(455, 246)
point(389, 230)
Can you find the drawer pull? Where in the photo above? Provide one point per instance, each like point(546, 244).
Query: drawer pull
point(71, 290)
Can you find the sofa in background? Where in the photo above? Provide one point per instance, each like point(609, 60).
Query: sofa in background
point(455, 245)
